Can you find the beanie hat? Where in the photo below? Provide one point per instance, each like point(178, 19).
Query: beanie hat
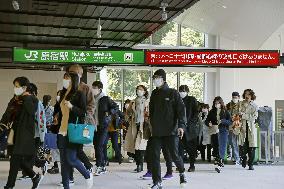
point(235, 94)
point(161, 73)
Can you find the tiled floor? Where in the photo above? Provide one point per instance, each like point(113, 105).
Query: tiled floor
point(121, 177)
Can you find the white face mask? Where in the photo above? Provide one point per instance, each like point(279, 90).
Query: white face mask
point(126, 106)
point(96, 91)
point(18, 91)
point(218, 106)
point(66, 83)
point(235, 100)
point(140, 93)
point(158, 82)
point(57, 98)
point(182, 94)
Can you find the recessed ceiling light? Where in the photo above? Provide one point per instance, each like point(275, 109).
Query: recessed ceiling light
point(224, 6)
point(16, 5)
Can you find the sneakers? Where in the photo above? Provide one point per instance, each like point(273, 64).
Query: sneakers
point(71, 183)
point(218, 169)
point(147, 176)
point(183, 180)
point(36, 181)
point(130, 160)
point(24, 178)
point(53, 170)
point(191, 169)
point(168, 176)
point(100, 171)
point(157, 186)
point(89, 181)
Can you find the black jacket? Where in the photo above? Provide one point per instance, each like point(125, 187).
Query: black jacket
point(191, 106)
point(167, 112)
point(107, 107)
point(24, 127)
point(225, 118)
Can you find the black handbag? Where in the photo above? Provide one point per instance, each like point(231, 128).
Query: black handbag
point(146, 130)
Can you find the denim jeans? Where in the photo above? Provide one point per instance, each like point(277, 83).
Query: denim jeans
point(69, 159)
point(223, 140)
point(233, 141)
point(100, 144)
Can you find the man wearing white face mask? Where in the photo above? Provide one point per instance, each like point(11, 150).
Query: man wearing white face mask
point(168, 121)
point(189, 142)
point(104, 108)
point(234, 108)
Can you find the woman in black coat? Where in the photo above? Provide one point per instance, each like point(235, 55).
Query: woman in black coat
point(73, 109)
point(23, 146)
point(218, 121)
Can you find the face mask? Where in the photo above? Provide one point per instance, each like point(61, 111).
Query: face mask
point(183, 94)
point(235, 100)
point(18, 91)
point(126, 106)
point(96, 91)
point(66, 83)
point(218, 106)
point(158, 82)
point(57, 98)
point(140, 93)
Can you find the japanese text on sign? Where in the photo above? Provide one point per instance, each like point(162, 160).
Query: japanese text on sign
point(220, 58)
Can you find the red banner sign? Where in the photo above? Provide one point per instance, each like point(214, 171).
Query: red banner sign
point(214, 58)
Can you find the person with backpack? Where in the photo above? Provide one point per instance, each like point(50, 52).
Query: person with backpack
point(168, 123)
point(104, 108)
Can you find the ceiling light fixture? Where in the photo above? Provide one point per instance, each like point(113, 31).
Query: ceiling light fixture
point(224, 6)
point(15, 4)
point(164, 12)
point(99, 29)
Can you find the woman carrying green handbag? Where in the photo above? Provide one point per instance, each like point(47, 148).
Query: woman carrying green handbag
point(72, 110)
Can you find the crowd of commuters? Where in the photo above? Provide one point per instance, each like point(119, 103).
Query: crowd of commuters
point(168, 120)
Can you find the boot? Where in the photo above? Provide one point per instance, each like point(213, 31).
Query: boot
point(251, 158)
point(139, 168)
point(183, 180)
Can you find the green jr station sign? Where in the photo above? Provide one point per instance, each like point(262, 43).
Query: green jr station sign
point(78, 56)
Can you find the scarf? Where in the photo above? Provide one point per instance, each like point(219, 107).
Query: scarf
point(97, 98)
point(139, 109)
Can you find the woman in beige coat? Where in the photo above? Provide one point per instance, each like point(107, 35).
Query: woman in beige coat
point(137, 113)
point(248, 135)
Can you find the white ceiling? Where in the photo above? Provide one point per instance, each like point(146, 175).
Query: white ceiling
point(248, 22)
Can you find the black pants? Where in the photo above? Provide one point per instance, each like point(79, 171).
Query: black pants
point(244, 150)
point(114, 142)
point(166, 154)
point(215, 145)
point(139, 157)
point(17, 162)
point(83, 158)
point(171, 143)
point(190, 147)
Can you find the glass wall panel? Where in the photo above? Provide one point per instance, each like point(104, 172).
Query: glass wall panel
point(191, 38)
point(195, 83)
point(132, 78)
point(114, 87)
point(167, 35)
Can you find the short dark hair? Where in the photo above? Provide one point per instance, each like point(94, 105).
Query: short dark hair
point(98, 84)
point(205, 106)
point(32, 89)
point(251, 93)
point(23, 81)
point(45, 100)
point(145, 89)
point(183, 88)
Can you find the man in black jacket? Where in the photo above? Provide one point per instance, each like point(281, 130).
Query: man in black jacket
point(167, 118)
point(104, 109)
point(189, 142)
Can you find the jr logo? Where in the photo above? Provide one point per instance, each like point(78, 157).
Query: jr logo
point(128, 57)
point(32, 56)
